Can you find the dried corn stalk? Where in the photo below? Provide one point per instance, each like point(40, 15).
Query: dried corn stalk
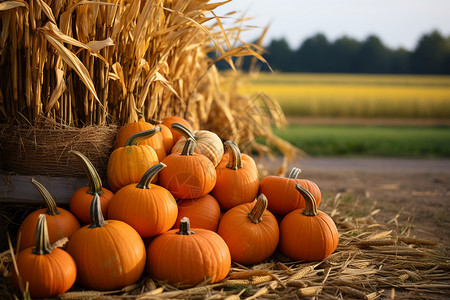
point(97, 62)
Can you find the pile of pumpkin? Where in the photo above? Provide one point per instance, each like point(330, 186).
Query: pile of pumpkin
point(179, 207)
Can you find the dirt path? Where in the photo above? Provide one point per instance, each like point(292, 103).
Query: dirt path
point(418, 190)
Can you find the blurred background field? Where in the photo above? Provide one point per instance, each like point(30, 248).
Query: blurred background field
point(356, 95)
point(361, 114)
point(370, 140)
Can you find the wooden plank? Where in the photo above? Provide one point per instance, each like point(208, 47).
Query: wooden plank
point(18, 188)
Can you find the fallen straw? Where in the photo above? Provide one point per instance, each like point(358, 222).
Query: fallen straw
point(263, 291)
point(302, 272)
point(415, 241)
point(309, 291)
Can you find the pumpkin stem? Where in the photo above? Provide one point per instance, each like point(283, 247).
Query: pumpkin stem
point(310, 202)
point(148, 176)
point(95, 183)
point(185, 227)
point(235, 161)
point(295, 172)
point(141, 136)
point(184, 131)
point(52, 209)
point(97, 219)
point(189, 147)
point(258, 210)
point(42, 241)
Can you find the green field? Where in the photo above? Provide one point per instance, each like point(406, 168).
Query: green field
point(370, 141)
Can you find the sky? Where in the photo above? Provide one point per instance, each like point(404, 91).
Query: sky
point(398, 23)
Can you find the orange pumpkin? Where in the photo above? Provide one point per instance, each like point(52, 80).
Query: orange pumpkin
point(282, 195)
point(127, 164)
point(167, 138)
point(109, 254)
point(237, 179)
point(188, 175)
point(203, 212)
point(187, 257)
point(156, 141)
point(168, 121)
point(207, 143)
point(150, 209)
point(308, 235)
point(61, 223)
point(81, 199)
point(48, 271)
point(250, 231)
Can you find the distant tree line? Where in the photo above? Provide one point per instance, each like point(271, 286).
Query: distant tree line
point(348, 55)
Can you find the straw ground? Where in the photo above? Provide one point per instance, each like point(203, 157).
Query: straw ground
point(383, 252)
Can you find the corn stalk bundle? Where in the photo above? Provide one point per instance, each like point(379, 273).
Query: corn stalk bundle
point(80, 63)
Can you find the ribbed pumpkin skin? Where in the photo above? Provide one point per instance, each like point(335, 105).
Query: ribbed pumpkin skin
point(203, 212)
point(249, 243)
point(149, 211)
point(208, 144)
point(188, 176)
point(156, 141)
point(60, 226)
point(234, 187)
point(80, 203)
point(188, 259)
point(307, 238)
point(282, 195)
point(108, 257)
point(48, 275)
point(168, 121)
point(127, 165)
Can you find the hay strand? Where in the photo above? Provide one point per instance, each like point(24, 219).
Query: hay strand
point(309, 291)
point(302, 272)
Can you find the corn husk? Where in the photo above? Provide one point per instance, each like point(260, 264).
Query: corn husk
point(81, 63)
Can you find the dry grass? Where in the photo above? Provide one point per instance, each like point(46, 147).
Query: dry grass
point(84, 63)
point(374, 260)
